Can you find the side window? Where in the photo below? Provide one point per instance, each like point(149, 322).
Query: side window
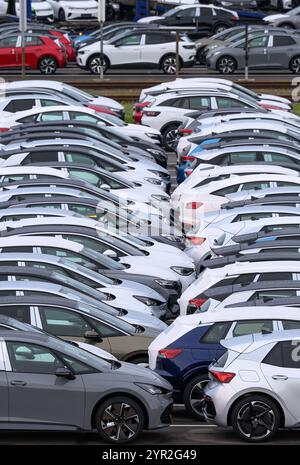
point(32, 41)
point(63, 322)
point(188, 13)
point(275, 277)
point(245, 278)
point(50, 103)
point(278, 157)
point(198, 103)
point(52, 116)
point(291, 352)
point(270, 295)
point(20, 313)
point(77, 116)
point(79, 158)
point(243, 157)
point(134, 39)
point(8, 42)
point(216, 332)
point(255, 185)
point(226, 102)
point(84, 210)
point(182, 102)
point(47, 155)
point(76, 366)
point(290, 324)
point(283, 41)
point(226, 190)
point(259, 42)
point(285, 184)
point(20, 105)
point(251, 216)
point(158, 38)
point(32, 358)
point(28, 119)
point(104, 329)
point(86, 176)
point(274, 357)
point(252, 327)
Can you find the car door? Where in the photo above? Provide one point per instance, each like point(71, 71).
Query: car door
point(69, 325)
point(156, 45)
point(8, 51)
point(127, 50)
point(258, 51)
point(281, 368)
point(204, 19)
point(36, 394)
point(277, 51)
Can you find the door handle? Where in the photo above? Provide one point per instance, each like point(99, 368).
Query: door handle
point(280, 377)
point(18, 383)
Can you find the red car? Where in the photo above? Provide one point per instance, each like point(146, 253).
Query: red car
point(41, 53)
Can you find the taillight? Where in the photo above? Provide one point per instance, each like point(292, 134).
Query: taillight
point(4, 129)
point(151, 113)
point(188, 172)
point(267, 106)
point(185, 131)
point(100, 109)
point(194, 205)
point(234, 18)
point(187, 158)
point(139, 106)
point(196, 240)
point(197, 303)
point(222, 376)
point(169, 353)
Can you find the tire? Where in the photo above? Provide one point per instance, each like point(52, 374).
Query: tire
point(220, 28)
point(200, 56)
point(47, 65)
point(168, 136)
point(295, 64)
point(115, 410)
point(287, 25)
point(140, 360)
point(226, 65)
point(193, 396)
point(249, 420)
point(94, 64)
point(61, 15)
point(168, 64)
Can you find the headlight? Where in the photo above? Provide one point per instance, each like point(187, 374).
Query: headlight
point(157, 182)
point(161, 198)
point(167, 283)
point(148, 301)
point(183, 270)
point(150, 388)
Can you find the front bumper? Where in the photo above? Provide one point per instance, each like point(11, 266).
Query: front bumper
point(81, 15)
point(160, 413)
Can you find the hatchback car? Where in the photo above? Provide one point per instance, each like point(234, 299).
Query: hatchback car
point(75, 390)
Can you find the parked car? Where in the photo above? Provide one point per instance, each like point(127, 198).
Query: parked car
point(66, 370)
point(267, 51)
point(41, 53)
point(182, 354)
point(69, 10)
point(291, 19)
point(154, 49)
point(258, 407)
point(206, 19)
point(41, 10)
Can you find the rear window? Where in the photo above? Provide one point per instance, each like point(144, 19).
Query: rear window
point(216, 332)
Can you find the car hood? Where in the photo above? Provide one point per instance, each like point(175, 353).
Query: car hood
point(149, 19)
point(143, 375)
point(83, 5)
point(274, 98)
point(107, 102)
point(138, 128)
point(41, 6)
point(271, 18)
point(95, 350)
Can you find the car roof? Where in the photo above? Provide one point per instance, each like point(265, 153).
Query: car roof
point(252, 342)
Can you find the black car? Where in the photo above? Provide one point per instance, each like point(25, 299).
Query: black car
point(206, 19)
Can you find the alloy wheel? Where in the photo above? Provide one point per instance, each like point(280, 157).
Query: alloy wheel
point(95, 64)
point(256, 420)
point(169, 65)
point(120, 421)
point(196, 397)
point(226, 65)
point(47, 65)
point(295, 65)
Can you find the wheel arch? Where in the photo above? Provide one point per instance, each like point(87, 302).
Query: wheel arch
point(173, 54)
point(259, 393)
point(118, 394)
point(169, 123)
point(96, 54)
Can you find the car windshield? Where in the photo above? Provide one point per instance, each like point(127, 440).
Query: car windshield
point(171, 12)
point(83, 288)
point(76, 94)
point(88, 273)
point(295, 11)
point(103, 260)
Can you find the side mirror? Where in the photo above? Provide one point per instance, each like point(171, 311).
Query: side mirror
point(64, 373)
point(93, 336)
point(110, 253)
point(105, 187)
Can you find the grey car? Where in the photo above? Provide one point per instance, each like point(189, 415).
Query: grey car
point(47, 384)
point(266, 51)
point(289, 20)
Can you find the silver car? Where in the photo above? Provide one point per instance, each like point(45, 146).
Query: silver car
point(47, 384)
point(255, 384)
point(266, 51)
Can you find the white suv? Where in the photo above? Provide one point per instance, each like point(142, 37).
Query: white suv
point(154, 49)
point(68, 10)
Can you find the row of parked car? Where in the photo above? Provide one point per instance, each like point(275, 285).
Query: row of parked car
point(238, 203)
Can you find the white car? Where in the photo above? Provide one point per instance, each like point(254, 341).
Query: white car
point(266, 100)
point(240, 272)
point(270, 129)
point(41, 10)
point(254, 385)
point(190, 206)
point(69, 10)
point(167, 111)
point(58, 113)
point(137, 49)
point(213, 224)
point(61, 90)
